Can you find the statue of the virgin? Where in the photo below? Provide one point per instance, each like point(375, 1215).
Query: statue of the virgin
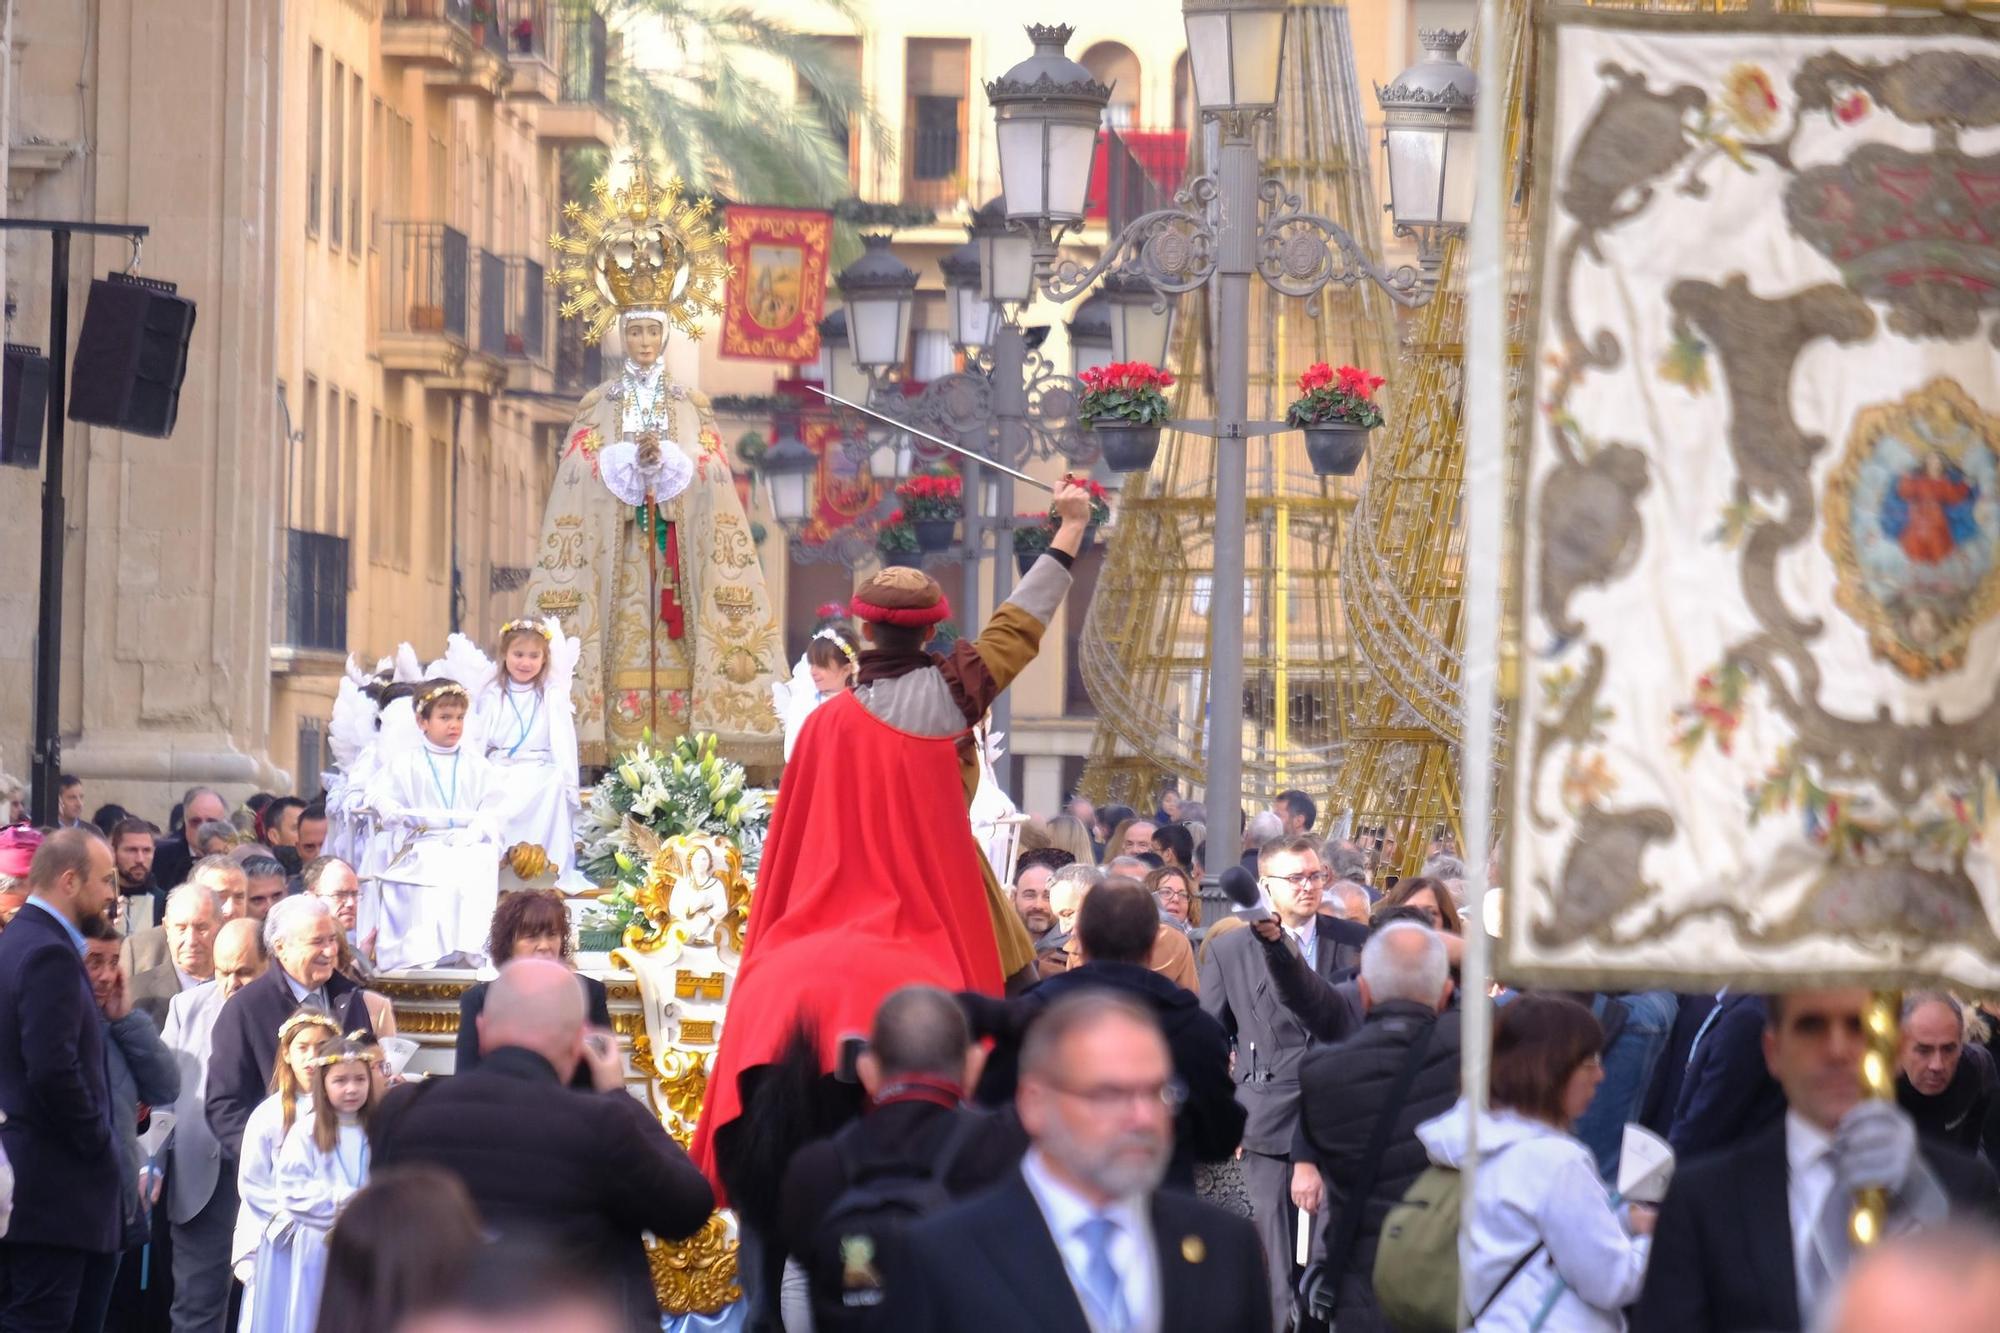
point(645, 553)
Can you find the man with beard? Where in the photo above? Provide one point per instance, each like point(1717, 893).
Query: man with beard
point(1030, 894)
point(62, 1245)
point(1082, 1236)
point(1945, 1084)
point(145, 898)
point(280, 822)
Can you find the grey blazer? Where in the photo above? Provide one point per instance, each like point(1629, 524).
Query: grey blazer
point(196, 1157)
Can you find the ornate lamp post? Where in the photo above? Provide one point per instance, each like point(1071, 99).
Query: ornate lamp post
point(1427, 118)
point(1225, 227)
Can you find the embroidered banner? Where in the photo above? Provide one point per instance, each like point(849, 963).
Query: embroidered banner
point(1758, 542)
point(777, 294)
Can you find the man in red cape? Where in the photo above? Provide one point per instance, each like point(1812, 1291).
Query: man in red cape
point(871, 879)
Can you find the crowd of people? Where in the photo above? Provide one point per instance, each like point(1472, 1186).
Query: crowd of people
point(1185, 1117)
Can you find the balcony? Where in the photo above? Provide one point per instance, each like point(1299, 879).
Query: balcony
point(580, 116)
point(457, 43)
point(528, 27)
point(315, 619)
point(423, 301)
point(579, 365)
point(934, 150)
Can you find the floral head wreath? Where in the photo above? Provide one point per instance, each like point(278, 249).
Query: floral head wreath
point(355, 1048)
point(303, 1019)
point(443, 691)
point(838, 640)
point(540, 629)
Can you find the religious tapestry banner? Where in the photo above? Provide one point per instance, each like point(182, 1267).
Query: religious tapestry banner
point(1757, 548)
point(777, 293)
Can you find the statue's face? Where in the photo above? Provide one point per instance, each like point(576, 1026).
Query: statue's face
point(643, 340)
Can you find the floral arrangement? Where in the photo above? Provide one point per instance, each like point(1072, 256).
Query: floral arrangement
point(1032, 533)
point(651, 795)
point(1330, 397)
point(1129, 392)
point(895, 536)
point(935, 495)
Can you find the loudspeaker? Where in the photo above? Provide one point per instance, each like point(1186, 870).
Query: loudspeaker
point(131, 356)
point(24, 406)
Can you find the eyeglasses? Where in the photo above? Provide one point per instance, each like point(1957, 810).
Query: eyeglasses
point(1171, 895)
point(1304, 879)
point(1110, 1098)
point(352, 896)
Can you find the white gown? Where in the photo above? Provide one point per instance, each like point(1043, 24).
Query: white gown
point(435, 894)
point(312, 1188)
point(534, 796)
point(257, 1191)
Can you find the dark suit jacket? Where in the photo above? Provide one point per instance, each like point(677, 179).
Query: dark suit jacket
point(989, 1265)
point(172, 860)
point(585, 1172)
point(1722, 1258)
point(55, 1089)
point(244, 1048)
point(1728, 1093)
point(1656, 1109)
point(1237, 988)
point(473, 1003)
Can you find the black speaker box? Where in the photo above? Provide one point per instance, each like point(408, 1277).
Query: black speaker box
point(24, 406)
point(131, 356)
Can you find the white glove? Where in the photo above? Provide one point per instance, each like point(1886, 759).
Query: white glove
point(1875, 1146)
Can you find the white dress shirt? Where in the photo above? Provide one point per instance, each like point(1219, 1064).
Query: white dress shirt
point(1307, 938)
point(1809, 1178)
point(1132, 1254)
point(188, 980)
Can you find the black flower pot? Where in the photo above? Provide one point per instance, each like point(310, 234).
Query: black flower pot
point(907, 559)
point(934, 534)
point(1026, 560)
point(1127, 447)
point(1336, 449)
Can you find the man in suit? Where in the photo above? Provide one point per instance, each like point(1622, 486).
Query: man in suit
point(176, 855)
point(304, 943)
point(192, 918)
point(605, 1170)
point(1237, 987)
point(69, 802)
point(55, 1093)
point(222, 877)
point(1663, 1093)
point(201, 1197)
point(1753, 1239)
point(1727, 1092)
point(1082, 1237)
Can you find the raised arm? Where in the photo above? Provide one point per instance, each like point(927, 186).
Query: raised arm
point(978, 671)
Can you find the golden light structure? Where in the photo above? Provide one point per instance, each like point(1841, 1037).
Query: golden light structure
point(640, 247)
point(1144, 648)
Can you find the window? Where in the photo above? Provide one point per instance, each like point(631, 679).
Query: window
point(329, 520)
point(315, 134)
point(440, 515)
point(350, 517)
point(336, 224)
point(306, 475)
point(380, 114)
point(354, 146)
point(934, 151)
point(380, 530)
point(841, 54)
point(1113, 63)
point(405, 483)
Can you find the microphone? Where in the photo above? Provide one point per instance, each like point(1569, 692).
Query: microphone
point(1241, 887)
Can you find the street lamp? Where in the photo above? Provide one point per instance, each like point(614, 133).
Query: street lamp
point(1047, 112)
point(1090, 335)
point(1427, 128)
point(888, 452)
point(1237, 48)
point(847, 378)
point(878, 291)
point(971, 312)
point(788, 471)
point(1006, 256)
point(1142, 320)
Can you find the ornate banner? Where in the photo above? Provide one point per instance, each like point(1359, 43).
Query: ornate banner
point(778, 292)
point(1758, 541)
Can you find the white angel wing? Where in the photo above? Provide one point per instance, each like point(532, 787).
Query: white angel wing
point(399, 734)
point(353, 724)
point(993, 748)
point(795, 702)
point(464, 662)
point(354, 672)
point(565, 650)
point(408, 669)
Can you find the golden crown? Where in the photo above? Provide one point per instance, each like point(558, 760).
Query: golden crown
point(640, 248)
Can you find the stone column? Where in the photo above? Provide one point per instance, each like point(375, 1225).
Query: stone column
point(166, 661)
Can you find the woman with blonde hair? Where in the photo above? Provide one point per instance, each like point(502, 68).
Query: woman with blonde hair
point(1174, 892)
point(1067, 834)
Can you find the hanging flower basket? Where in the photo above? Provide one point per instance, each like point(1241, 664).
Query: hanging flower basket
point(934, 534)
point(1031, 537)
point(896, 541)
point(1336, 408)
point(933, 502)
point(1124, 407)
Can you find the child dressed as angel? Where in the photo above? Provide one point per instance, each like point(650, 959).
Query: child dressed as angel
point(524, 721)
point(435, 805)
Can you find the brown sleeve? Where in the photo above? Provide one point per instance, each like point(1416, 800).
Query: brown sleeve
point(976, 672)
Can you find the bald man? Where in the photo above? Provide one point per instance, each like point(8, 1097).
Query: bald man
point(605, 1169)
point(1942, 1281)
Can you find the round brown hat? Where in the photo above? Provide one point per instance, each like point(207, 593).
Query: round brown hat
point(899, 595)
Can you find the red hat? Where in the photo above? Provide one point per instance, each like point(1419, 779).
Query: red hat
point(17, 850)
point(900, 595)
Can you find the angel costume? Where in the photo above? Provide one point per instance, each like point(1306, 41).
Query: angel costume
point(436, 892)
point(313, 1186)
point(262, 1238)
point(691, 617)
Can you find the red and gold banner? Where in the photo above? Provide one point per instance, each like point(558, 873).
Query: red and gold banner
point(778, 294)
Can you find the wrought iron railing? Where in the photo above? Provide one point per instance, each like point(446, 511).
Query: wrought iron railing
point(583, 45)
point(424, 279)
point(458, 12)
point(492, 303)
point(315, 591)
point(528, 26)
point(527, 311)
point(1136, 171)
point(579, 365)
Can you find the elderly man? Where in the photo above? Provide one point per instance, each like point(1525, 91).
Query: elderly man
point(605, 1171)
point(1346, 900)
point(223, 875)
point(201, 1196)
point(304, 942)
point(264, 883)
point(1945, 1084)
point(179, 957)
point(1263, 829)
point(1941, 1281)
point(333, 880)
point(61, 1248)
point(1138, 840)
point(1345, 1089)
point(1083, 1236)
point(176, 854)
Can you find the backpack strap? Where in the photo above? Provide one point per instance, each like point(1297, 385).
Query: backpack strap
point(1342, 1248)
point(1512, 1273)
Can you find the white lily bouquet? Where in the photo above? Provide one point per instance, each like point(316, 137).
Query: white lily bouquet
point(651, 795)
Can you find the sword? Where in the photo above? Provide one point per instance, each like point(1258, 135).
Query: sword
point(980, 459)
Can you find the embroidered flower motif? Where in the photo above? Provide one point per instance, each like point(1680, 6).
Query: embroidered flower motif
point(1750, 98)
point(1852, 108)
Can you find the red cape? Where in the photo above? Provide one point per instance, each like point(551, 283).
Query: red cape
point(870, 882)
